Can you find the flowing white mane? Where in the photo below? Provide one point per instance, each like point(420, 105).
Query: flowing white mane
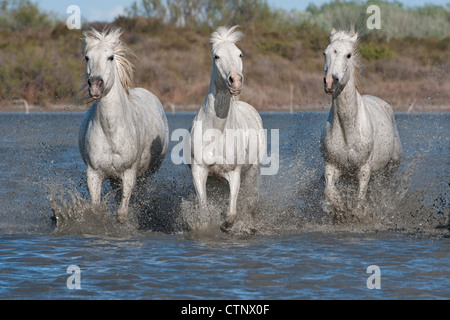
point(224, 34)
point(342, 35)
point(122, 53)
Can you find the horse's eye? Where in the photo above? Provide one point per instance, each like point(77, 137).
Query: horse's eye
point(241, 55)
point(216, 57)
point(86, 58)
point(111, 58)
point(349, 56)
point(324, 53)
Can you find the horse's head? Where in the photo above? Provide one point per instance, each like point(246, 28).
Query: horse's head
point(339, 62)
point(105, 60)
point(227, 59)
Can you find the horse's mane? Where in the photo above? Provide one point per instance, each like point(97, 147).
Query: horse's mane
point(122, 53)
point(345, 35)
point(225, 34)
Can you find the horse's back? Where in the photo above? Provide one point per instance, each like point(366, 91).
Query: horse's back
point(151, 109)
point(151, 115)
point(251, 119)
point(382, 116)
point(248, 116)
point(381, 112)
point(379, 107)
point(150, 104)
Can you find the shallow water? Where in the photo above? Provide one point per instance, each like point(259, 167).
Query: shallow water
point(298, 251)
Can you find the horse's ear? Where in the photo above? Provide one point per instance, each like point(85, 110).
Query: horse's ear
point(90, 35)
point(354, 38)
point(333, 32)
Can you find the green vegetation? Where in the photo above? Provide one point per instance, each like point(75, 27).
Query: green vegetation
point(405, 62)
point(371, 51)
point(22, 14)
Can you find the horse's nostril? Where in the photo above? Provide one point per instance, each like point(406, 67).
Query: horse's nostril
point(231, 79)
point(95, 81)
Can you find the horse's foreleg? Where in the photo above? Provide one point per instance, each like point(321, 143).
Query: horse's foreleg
point(199, 177)
point(234, 180)
point(363, 179)
point(94, 183)
point(128, 182)
point(332, 175)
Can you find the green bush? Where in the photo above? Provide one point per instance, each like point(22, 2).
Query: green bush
point(371, 51)
point(41, 58)
point(17, 15)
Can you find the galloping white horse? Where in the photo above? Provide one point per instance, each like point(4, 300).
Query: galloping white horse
point(124, 135)
point(239, 140)
point(361, 137)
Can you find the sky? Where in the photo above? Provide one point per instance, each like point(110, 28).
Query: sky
point(107, 10)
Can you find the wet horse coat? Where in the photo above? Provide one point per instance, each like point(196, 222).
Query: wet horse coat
point(124, 135)
point(229, 119)
point(361, 137)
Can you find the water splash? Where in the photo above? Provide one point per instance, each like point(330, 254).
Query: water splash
point(74, 215)
point(291, 202)
point(415, 202)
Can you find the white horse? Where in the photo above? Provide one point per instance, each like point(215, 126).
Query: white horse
point(361, 137)
point(227, 135)
point(124, 135)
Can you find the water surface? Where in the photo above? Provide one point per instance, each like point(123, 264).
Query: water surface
point(298, 252)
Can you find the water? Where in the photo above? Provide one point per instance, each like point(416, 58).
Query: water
point(298, 252)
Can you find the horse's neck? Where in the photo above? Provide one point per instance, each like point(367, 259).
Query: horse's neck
point(113, 109)
point(348, 107)
point(217, 107)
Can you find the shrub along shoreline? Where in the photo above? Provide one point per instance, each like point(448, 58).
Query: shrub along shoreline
point(283, 62)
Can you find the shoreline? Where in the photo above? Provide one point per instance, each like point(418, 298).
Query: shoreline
point(187, 109)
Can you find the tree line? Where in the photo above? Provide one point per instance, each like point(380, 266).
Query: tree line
point(398, 21)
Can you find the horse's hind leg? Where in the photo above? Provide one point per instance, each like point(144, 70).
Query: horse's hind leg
point(249, 187)
point(248, 197)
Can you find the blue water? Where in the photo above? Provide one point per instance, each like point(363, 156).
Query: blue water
point(297, 252)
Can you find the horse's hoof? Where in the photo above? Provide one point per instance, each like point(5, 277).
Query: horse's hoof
point(121, 219)
point(226, 227)
point(359, 210)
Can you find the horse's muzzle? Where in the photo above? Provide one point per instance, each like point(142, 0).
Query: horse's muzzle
point(235, 82)
point(96, 86)
point(330, 84)
point(235, 92)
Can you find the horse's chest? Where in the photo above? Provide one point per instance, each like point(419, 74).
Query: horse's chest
point(347, 153)
point(108, 154)
point(221, 170)
point(229, 147)
point(227, 151)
